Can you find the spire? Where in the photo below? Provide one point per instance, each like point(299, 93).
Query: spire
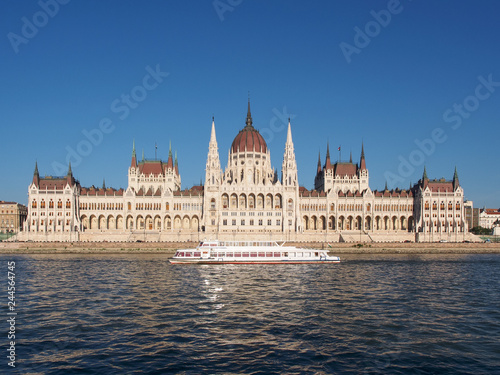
point(289, 133)
point(362, 162)
point(143, 155)
point(133, 162)
point(424, 177)
point(319, 163)
point(350, 158)
point(104, 184)
point(170, 164)
point(36, 175)
point(176, 165)
point(385, 189)
point(249, 114)
point(69, 175)
point(328, 163)
point(455, 179)
point(212, 134)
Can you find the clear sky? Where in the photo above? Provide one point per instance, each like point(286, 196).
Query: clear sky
point(418, 82)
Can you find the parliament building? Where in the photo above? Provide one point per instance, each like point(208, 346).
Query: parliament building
point(246, 200)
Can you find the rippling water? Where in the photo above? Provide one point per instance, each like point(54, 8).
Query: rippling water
point(126, 314)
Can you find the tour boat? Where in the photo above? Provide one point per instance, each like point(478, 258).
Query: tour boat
point(250, 252)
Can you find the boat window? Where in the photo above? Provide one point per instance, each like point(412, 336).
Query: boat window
point(197, 254)
point(269, 254)
point(220, 255)
point(262, 255)
point(299, 255)
point(229, 254)
point(277, 254)
point(316, 254)
point(237, 255)
point(253, 254)
point(245, 254)
point(180, 254)
point(285, 254)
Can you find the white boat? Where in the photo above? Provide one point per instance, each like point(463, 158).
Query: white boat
point(250, 252)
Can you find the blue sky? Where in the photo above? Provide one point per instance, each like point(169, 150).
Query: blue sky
point(417, 81)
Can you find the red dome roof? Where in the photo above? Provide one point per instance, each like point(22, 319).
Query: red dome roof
point(249, 138)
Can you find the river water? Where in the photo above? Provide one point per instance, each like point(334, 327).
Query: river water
point(137, 314)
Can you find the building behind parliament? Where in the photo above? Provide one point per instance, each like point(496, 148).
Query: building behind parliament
point(245, 201)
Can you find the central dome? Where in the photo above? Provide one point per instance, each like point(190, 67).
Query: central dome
point(249, 138)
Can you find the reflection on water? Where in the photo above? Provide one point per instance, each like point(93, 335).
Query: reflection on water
point(374, 314)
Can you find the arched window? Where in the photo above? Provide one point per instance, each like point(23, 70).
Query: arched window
point(59, 204)
point(51, 204)
point(434, 205)
point(212, 204)
point(33, 204)
point(68, 203)
point(42, 204)
point(457, 207)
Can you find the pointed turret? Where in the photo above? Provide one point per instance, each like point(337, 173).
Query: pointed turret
point(213, 169)
point(104, 184)
point(362, 162)
point(350, 157)
point(36, 175)
point(319, 163)
point(289, 166)
point(424, 176)
point(289, 133)
point(176, 165)
point(455, 179)
point(213, 138)
point(170, 163)
point(133, 163)
point(328, 163)
point(69, 176)
point(143, 155)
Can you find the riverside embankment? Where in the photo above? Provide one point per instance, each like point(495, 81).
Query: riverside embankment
point(170, 247)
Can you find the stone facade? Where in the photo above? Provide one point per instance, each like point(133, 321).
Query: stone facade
point(488, 217)
point(12, 216)
point(246, 200)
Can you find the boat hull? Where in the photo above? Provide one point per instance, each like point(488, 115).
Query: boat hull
point(215, 261)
